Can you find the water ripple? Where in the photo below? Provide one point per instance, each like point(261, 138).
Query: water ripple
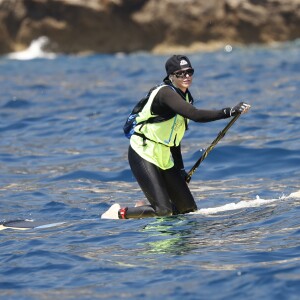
point(64, 161)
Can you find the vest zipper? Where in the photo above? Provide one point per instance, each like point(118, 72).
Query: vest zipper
point(168, 141)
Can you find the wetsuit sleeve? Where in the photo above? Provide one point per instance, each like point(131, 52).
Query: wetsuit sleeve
point(167, 99)
point(177, 157)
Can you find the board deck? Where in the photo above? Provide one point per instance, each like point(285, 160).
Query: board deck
point(26, 224)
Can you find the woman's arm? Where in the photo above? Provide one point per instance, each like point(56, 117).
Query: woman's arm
point(168, 100)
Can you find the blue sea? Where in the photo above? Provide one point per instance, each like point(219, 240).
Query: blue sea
point(63, 160)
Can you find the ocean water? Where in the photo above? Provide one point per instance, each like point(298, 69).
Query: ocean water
point(63, 162)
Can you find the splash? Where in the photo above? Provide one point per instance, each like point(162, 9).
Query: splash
point(35, 50)
point(244, 204)
point(294, 195)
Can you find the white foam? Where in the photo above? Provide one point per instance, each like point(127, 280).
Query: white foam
point(244, 204)
point(294, 195)
point(35, 50)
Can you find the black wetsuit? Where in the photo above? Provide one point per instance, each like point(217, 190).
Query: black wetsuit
point(166, 190)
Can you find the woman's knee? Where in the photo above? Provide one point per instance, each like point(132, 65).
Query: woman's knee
point(192, 209)
point(186, 209)
point(164, 211)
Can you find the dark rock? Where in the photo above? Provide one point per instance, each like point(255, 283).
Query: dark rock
point(109, 26)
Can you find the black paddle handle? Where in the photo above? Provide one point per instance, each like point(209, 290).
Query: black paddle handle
point(212, 145)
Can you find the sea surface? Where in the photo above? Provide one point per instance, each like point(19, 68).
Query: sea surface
point(63, 162)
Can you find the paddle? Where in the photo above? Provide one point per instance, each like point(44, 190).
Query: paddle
point(212, 145)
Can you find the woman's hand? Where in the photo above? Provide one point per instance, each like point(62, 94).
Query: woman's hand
point(240, 108)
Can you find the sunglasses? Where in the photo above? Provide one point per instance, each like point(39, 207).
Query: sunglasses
point(183, 73)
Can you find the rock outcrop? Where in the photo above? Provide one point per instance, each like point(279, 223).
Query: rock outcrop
point(109, 26)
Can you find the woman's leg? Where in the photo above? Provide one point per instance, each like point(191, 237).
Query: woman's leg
point(150, 179)
point(179, 191)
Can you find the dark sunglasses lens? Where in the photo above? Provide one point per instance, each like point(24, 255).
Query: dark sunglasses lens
point(190, 72)
point(182, 74)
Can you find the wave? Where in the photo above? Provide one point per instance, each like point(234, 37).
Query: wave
point(34, 51)
point(244, 204)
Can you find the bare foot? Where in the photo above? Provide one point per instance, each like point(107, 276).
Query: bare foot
point(141, 203)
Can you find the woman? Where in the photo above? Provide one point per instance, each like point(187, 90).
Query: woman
point(154, 153)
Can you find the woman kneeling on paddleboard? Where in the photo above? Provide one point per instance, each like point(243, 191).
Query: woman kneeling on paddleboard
point(154, 153)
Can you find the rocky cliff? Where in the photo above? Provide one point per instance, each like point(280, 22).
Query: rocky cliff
point(109, 26)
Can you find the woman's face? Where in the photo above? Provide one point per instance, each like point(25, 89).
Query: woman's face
point(182, 79)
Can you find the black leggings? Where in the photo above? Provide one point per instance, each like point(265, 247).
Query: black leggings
point(166, 190)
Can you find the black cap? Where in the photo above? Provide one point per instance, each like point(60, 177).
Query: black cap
point(177, 62)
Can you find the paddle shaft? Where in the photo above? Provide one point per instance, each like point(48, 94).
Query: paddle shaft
point(212, 145)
